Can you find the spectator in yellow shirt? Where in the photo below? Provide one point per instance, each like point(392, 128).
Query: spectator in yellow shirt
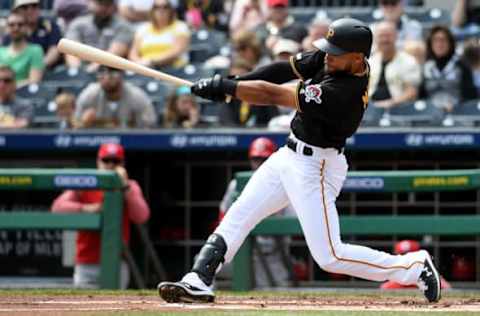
point(164, 41)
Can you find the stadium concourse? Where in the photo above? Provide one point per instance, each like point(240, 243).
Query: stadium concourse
point(183, 150)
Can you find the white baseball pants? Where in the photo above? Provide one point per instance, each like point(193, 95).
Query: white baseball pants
point(311, 184)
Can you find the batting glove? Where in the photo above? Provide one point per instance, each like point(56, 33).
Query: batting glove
point(215, 88)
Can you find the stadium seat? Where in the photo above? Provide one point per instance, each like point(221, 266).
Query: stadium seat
point(72, 80)
point(205, 44)
point(209, 112)
point(467, 114)
point(372, 116)
point(419, 113)
point(42, 99)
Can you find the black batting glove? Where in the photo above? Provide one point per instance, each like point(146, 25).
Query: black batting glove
point(215, 88)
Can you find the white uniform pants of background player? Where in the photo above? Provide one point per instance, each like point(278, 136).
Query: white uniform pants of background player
point(312, 184)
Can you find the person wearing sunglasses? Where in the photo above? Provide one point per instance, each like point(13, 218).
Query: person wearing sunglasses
point(112, 102)
point(110, 156)
point(14, 113)
point(40, 30)
point(24, 58)
point(164, 41)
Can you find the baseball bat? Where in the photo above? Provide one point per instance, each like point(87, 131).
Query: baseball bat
point(95, 55)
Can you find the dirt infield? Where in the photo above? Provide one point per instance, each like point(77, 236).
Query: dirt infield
point(40, 305)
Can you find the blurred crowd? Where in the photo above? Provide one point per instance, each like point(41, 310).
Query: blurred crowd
point(425, 72)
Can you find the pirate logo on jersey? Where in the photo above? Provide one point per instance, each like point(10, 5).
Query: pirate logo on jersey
point(313, 93)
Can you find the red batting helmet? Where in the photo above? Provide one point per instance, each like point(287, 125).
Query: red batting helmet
point(405, 246)
point(261, 147)
point(111, 150)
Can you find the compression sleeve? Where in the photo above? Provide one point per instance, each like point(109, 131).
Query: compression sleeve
point(278, 72)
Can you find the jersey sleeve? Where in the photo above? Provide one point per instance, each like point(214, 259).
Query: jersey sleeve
point(306, 65)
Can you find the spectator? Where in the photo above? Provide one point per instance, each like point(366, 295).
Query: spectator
point(182, 110)
point(280, 24)
point(87, 259)
point(14, 113)
point(247, 46)
point(317, 29)
point(241, 114)
point(447, 80)
point(247, 15)
point(65, 110)
point(113, 103)
point(68, 10)
point(273, 250)
point(407, 29)
point(466, 18)
point(471, 56)
point(284, 48)
point(204, 13)
point(402, 247)
point(164, 41)
point(40, 30)
point(395, 75)
point(135, 11)
point(24, 58)
point(103, 29)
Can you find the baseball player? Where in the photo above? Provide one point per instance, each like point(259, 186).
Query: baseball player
point(309, 171)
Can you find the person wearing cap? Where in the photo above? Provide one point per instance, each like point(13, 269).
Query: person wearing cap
point(395, 75)
point(112, 102)
point(284, 49)
point(25, 59)
point(309, 171)
point(280, 24)
point(402, 247)
point(41, 30)
point(270, 253)
point(86, 274)
point(101, 28)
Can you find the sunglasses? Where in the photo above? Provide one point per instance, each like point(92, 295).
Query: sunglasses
point(389, 2)
point(6, 80)
point(113, 161)
point(16, 24)
point(162, 7)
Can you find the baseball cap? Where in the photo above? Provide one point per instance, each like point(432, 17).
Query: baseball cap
point(274, 3)
point(19, 3)
point(111, 150)
point(261, 147)
point(284, 45)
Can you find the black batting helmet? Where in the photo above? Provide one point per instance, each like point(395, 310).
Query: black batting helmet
point(346, 36)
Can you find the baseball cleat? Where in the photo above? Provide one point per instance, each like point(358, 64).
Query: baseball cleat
point(429, 281)
point(190, 290)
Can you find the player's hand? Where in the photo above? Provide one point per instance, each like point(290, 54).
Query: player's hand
point(215, 88)
point(122, 172)
point(92, 207)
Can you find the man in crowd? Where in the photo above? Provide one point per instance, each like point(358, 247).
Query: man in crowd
point(395, 75)
point(114, 103)
point(87, 268)
point(24, 58)
point(42, 31)
point(102, 28)
point(14, 113)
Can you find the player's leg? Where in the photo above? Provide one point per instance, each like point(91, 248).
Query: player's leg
point(313, 196)
point(262, 196)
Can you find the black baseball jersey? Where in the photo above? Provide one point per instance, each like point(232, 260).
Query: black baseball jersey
point(329, 106)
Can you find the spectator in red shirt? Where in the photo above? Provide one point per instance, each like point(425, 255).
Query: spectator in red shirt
point(401, 248)
point(136, 210)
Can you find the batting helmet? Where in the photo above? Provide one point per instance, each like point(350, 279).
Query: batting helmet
point(261, 147)
point(405, 246)
point(346, 36)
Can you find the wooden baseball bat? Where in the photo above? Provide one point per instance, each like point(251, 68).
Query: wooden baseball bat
point(95, 55)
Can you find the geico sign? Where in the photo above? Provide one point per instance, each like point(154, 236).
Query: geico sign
point(364, 183)
point(76, 181)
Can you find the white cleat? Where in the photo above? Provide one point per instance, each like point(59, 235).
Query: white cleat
point(190, 289)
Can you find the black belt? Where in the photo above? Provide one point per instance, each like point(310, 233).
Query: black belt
point(307, 151)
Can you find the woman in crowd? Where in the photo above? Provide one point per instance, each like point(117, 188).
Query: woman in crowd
point(164, 41)
point(447, 81)
point(182, 110)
